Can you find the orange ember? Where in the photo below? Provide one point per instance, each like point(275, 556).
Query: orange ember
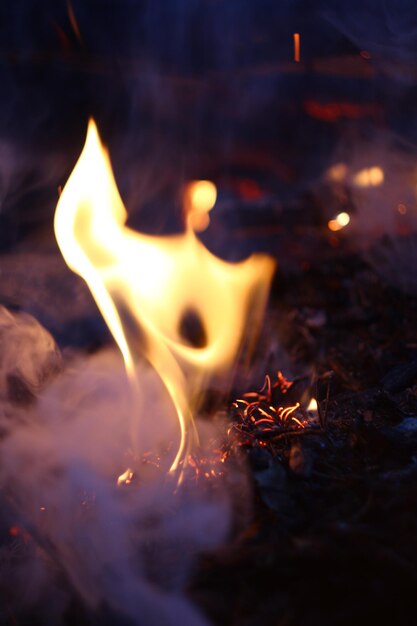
point(296, 38)
point(259, 416)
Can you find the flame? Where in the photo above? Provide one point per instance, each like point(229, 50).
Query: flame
point(147, 287)
point(125, 478)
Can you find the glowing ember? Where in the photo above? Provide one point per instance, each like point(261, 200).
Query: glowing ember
point(260, 416)
point(312, 405)
point(296, 38)
point(369, 177)
point(157, 288)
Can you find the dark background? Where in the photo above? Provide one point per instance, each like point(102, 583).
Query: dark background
point(194, 88)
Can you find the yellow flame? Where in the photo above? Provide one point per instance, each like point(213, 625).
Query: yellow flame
point(369, 177)
point(312, 405)
point(147, 287)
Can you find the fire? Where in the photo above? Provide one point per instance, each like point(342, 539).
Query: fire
point(261, 416)
point(151, 289)
point(125, 478)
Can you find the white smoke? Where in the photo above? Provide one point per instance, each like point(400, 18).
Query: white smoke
point(28, 356)
point(128, 548)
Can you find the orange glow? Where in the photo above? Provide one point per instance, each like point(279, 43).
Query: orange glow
point(369, 177)
point(148, 287)
point(296, 38)
point(334, 225)
point(402, 209)
point(249, 189)
point(337, 173)
point(288, 411)
point(333, 111)
point(339, 222)
point(297, 421)
point(312, 405)
point(199, 198)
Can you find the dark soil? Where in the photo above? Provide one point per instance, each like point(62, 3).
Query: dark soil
point(333, 537)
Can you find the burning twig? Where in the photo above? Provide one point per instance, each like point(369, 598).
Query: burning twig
point(265, 415)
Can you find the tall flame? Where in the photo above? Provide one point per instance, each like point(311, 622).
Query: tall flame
point(146, 287)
